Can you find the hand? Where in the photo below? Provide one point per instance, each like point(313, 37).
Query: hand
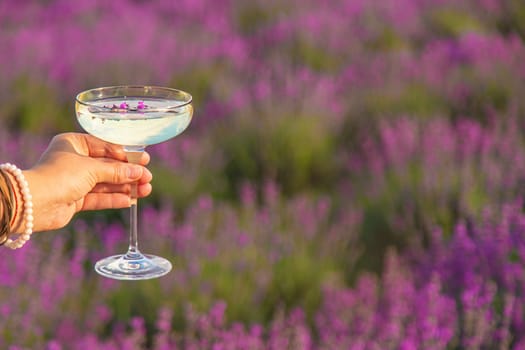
point(80, 172)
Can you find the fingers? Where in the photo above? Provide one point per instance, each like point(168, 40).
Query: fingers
point(88, 145)
point(100, 201)
point(101, 149)
point(114, 172)
point(112, 200)
point(143, 189)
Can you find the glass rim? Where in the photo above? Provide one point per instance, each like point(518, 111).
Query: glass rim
point(188, 99)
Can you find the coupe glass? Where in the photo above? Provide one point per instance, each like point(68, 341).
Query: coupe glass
point(134, 117)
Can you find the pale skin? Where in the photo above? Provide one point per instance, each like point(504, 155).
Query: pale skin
point(79, 172)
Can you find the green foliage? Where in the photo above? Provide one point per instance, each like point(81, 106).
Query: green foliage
point(387, 40)
point(314, 57)
point(485, 94)
point(251, 16)
point(376, 237)
point(454, 22)
point(199, 81)
point(297, 281)
point(513, 20)
point(143, 299)
point(476, 198)
point(36, 107)
point(412, 99)
point(296, 151)
point(219, 280)
point(403, 194)
point(171, 185)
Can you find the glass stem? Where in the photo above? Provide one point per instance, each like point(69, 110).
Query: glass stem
point(133, 249)
point(133, 155)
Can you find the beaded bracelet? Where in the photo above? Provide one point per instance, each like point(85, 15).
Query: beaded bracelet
point(27, 201)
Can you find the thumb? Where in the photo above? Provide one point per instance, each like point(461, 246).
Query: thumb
point(116, 172)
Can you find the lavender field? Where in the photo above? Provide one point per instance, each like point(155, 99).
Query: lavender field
point(353, 177)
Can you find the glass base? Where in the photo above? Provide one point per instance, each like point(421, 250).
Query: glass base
point(133, 266)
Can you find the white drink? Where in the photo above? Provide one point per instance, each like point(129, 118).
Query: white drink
point(140, 122)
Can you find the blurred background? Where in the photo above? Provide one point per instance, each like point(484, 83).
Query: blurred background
point(353, 177)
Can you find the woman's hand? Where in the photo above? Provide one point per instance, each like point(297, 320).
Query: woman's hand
point(80, 172)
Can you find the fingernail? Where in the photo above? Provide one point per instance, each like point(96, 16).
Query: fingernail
point(134, 172)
